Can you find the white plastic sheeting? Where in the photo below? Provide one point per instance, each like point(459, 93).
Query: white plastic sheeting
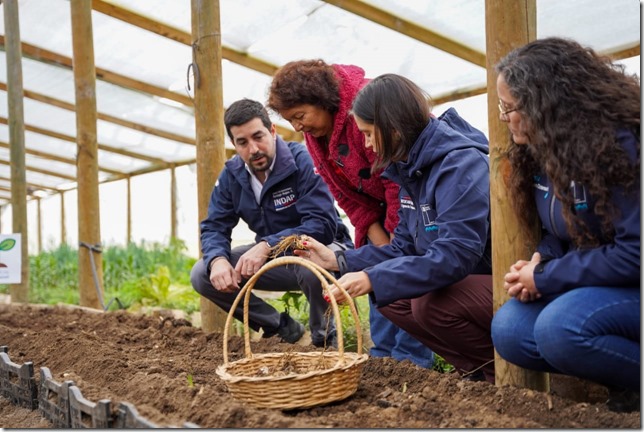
point(274, 31)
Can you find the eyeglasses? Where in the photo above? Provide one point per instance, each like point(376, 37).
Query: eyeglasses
point(504, 112)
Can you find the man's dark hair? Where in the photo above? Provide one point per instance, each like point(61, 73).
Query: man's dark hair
point(243, 111)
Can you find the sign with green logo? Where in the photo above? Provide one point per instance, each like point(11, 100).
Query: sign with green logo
point(10, 259)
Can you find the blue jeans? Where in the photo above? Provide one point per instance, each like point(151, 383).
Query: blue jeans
point(591, 333)
point(391, 341)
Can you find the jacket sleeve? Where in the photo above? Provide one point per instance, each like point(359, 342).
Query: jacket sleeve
point(217, 227)
point(615, 264)
point(462, 204)
point(314, 203)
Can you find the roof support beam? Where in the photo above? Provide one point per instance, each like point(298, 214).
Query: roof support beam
point(178, 35)
point(61, 159)
point(90, 261)
point(19, 292)
point(106, 117)
point(206, 55)
point(42, 171)
point(509, 24)
point(35, 185)
point(411, 29)
point(72, 139)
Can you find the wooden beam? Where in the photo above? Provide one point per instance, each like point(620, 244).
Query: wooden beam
point(620, 53)
point(19, 292)
point(63, 221)
point(206, 55)
point(128, 233)
point(90, 260)
point(39, 223)
point(411, 29)
point(104, 147)
point(509, 24)
point(173, 203)
point(50, 57)
point(41, 171)
point(34, 185)
point(108, 118)
point(61, 159)
point(178, 35)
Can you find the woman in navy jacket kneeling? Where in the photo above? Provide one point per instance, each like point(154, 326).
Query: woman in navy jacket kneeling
point(434, 280)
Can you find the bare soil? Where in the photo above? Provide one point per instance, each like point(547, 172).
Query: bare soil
point(166, 367)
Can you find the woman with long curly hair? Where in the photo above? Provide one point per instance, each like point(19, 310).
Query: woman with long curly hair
point(574, 119)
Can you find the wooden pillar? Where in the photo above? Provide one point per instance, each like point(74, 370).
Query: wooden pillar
point(90, 267)
point(173, 203)
point(39, 223)
point(19, 292)
point(63, 221)
point(509, 24)
point(209, 109)
point(129, 211)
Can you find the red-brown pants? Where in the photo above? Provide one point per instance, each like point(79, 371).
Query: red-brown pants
point(454, 322)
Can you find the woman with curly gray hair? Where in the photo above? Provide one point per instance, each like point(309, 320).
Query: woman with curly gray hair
point(574, 119)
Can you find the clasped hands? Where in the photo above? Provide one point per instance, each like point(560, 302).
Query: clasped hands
point(519, 281)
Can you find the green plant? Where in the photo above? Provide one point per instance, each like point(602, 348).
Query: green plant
point(157, 289)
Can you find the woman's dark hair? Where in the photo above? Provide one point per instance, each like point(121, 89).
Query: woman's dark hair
point(311, 82)
point(243, 111)
point(572, 102)
point(399, 111)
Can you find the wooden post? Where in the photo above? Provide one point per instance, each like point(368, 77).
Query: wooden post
point(19, 292)
point(39, 223)
point(509, 24)
point(209, 109)
point(90, 268)
point(129, 211)
point(63, 221)
point(173, 203)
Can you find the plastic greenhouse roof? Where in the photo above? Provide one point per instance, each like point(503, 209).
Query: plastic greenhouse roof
point(150, 125)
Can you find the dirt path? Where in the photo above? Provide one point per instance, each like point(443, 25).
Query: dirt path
point(166, 369)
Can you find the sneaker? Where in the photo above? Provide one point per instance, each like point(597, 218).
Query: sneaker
point(290, 330)
point(474, 376)
point(623, 400)
point(331, 341)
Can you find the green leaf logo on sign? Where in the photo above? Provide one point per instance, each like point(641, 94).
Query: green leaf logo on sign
point(7, 244)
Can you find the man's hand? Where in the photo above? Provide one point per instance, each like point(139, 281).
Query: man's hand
point(223, 276)
point(253, 260)
point(519, 282)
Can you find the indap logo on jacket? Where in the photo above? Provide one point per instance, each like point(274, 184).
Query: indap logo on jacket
point(284, 198)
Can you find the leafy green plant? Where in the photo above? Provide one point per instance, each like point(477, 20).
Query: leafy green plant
point(157, 289)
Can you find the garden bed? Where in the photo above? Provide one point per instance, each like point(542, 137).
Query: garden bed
point(166, 369)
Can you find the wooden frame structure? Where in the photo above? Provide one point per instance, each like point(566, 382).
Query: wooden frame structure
point(509, 23)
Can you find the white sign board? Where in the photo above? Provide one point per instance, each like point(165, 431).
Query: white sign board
point(10, 259)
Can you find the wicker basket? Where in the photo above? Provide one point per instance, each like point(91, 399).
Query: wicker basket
point(300, 379)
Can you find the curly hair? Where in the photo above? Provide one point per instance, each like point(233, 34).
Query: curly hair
point(311, 82)
point(573, 101)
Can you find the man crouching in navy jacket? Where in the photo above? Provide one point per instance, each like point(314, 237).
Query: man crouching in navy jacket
point(272, 186)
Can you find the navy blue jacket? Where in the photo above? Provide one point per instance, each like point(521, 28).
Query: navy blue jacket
point(294, 200)
point(614, 264)
point(444, 225)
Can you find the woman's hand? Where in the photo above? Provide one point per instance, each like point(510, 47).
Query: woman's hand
point(355, 284)
point(519, 281)
point(318, 253)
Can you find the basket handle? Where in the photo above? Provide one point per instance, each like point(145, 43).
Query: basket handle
point(323, 275)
